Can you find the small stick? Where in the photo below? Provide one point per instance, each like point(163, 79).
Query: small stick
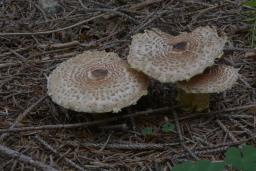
point(225, 129)
point(224, 144)
point(4, 65)
point(49, 147)
point(106, 143)
point(212, 149)
point(17, 54)
point(59, 45)
point(24, 158)
point(17, 50)
point(143, 4)
point(23, 115)
point(219, 149)
point(115, 127)
point(131, 146)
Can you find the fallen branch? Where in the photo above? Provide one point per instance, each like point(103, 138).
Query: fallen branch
point(83, 124)
point(25, 159)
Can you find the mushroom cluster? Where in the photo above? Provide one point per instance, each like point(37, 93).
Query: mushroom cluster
point(187, 59)
point(99, 81)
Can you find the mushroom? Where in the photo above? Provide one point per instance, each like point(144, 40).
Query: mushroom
point(215, 79)
point(194, 93)
point(175, 58)
point(96, 81)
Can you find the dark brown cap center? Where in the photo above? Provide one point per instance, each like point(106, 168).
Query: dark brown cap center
point(98, 74)
point(181, 46)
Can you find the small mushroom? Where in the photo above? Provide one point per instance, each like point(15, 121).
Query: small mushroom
point(215, 79)
point(175, 58)
point(96, 81)
point(193, 95)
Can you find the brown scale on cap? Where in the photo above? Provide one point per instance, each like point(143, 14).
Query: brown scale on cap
point(175, 58)
point(96, 81)
point(214, 80)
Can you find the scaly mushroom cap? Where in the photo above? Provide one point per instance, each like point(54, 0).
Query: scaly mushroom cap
point(214, 80)
point(175, 58)
point(96, 81)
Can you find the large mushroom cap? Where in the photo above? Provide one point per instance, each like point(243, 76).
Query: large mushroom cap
point(96, 81)
point(175, 58)
point(214, 80)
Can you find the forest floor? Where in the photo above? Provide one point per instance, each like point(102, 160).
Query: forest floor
point(35, 38)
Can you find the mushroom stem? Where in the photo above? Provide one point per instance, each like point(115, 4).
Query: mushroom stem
point(190, 102)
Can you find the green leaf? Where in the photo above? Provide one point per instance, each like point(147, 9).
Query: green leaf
point(249, 153)
point(217, 166)
point(147, 131)
point(249, 158)
point(248, 165)
point(241, 160)
point(244, 160)
point(183, 167)
point(201, 165)
point(233, 158)
point(249, 3)
point(168, 127)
